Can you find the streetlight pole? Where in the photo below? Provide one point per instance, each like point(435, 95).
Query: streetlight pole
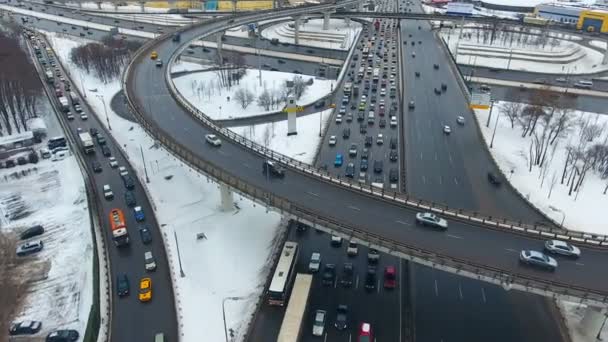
point(599, 333)
point(105, 109)
point(179, 258)
point(494, 133)
point(490, 113)
point(224, 313)
point(141, 149)
point(320, 122)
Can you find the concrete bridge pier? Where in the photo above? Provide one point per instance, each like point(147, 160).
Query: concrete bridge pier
point(347, 20)
point(297, 21)
point(226, 198)
point(142, 6)
point(98, 4)
point(219, 43)
point(605, 60)
point(592, 321)
point(361, 5)
point(326, 17)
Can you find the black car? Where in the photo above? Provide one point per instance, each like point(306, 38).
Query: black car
point(128, 182)
point(320, 104)
point(25, 328)
point(105, 150)
point(393, 156)
point(122, 285)
point(350, 170)
point(365, 154)
point(31, 232)
point(271, 168)
point(130, 198)
point(378, 166)
point(493, 179)
point(363, 128)
point(360, 116)
point(370, 278)
point(368, 141)
point(437, 91)
point(435, 66)
point(444, 86)
point(348, 275)
point(96, 166)
point(393, 143)
point(145, 234)
point(346, 133)
point(64, 335)
point(93, 131)
point(364, 165)
point(101, 140)
point(393, 175)
point(382, 123)
point(341, 317)
point(329, 274)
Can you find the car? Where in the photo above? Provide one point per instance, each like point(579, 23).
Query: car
point(318, 326)
point(561, 80)
point(435, 66)
point(393, 175)
point(332, 140)
point(447, 129)
point(411, 105)
point(363, 128)
point(78, 108)
point(338, 161)
point(139, 214)
point(378, 166)
point(393, 121)
point(96, 166)
point(346, 133)
point(107, 192)
point(444, 86)
point(364, 165)
point(390, 277)
point(113, 162)
point(370, 278)
point(352, 151)
point(315, 262)
point(417, 74)
point(272, 168)
point(368, 141)
point(24, 328)
point(149, 262)
point(460, 120)
point(382, 122)
point(105, 150)
point(128, 182)
point(494, 179)
point(130, 198)
point(437, 91)
point(145, 289)
point(339, 119)
point(349, 117)
point(159, 63)
point(336, 241)
point(213, 140)
point(536, 258)
point(122, 285)
point(432, 220)
point(341, 317)
point(122, 170)
point(352, 249)
point(83, 116)
point(364, 154)
point(145, 234)
point(329, 274)
point(562, 248)
point(101, 140)
point(350, 170)
point(31, 232)
point(380, 139)
point(365, 333)
point(30, 247)
point(62, 335)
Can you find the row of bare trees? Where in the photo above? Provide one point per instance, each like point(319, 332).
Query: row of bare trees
point(19, 85)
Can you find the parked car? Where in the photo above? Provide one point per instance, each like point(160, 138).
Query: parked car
point(538, 259)
point(562, 248)
point(24, 328)
point(31, 232)
point(432, 220)
point(63, 335)
point(30, 247)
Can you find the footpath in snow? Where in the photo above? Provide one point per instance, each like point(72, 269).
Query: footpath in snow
point(231, 257)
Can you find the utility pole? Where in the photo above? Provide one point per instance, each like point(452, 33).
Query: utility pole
point(490, 113)
point(141, 149)
point(494, 133)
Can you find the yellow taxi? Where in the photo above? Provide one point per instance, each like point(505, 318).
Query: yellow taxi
point(333, 105)
point(145, 290)
point(154, 55)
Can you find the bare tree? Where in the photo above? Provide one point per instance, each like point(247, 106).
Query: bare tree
point(266, 138)
point(265, 100)
point(244, 97)
point(512, 110)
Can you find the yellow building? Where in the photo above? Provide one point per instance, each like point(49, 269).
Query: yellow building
point(244, 5)
point(593, 21)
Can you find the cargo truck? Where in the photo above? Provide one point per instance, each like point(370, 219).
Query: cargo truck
point(87, 142)
point(65, 105)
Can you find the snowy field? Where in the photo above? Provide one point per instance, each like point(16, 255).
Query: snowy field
point(339, 36)
point(183, 65)
point(543, 185)
point(205, 93)
point(231, 261)
point(509, 52)
point(52, 194)
point(274, 135)
point(598, 44)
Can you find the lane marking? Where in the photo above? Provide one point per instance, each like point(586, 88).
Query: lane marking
point(420, 155)
point(454, 236)
point(460, 291)
point(357, 282)
point(579, 264)
point(436, 289)
point(436, 156)
point(440, 182)
point(404, 223)
point(222, 152)
point(354, 208)
point(312, 194)
point(400, 301)
point(423, 179)
point(483, 294)
point(450, 157)
point(247, 165)
point(455, 180)
point(511, 250)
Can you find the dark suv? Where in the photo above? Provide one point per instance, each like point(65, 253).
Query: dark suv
point(122, 285)
point(271, 168)
point(493, 179)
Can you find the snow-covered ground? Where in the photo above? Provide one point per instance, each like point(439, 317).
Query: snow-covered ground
point(339, 36)
point(574, 312)
point(274, 135)
point(510, 54)
point(232, 260)
point(184, 65)
point(542, 186)
point(204, 92)
point(598, 43)
point(53, 195)
point(109, 6)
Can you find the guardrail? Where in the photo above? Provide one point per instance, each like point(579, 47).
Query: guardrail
point(460, 266)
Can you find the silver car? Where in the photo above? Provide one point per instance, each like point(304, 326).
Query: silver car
point(538, 259)
point(315, 262)
point(318, 327)
point(430, 219)
point(562, 248)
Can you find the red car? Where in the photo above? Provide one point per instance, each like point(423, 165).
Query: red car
point(365, 333)
point(390, 277)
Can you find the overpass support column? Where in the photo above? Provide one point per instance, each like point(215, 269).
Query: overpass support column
point(347, 20)
point(142, 6)
point(605, 60)
point(592, 320)
point(297, 29)
point(226, 198)
point(219, 43)
point(361, 5)
point(326, 20)
point(98, 4)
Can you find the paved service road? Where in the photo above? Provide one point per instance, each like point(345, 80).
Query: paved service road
point(148, 89)
point(129, 315)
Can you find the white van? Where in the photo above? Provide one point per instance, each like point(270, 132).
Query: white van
point(45, 153)
point(61, 155)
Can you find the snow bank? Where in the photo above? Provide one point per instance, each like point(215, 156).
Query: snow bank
point(339, 36)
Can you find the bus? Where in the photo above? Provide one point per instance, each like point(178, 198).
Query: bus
point(348, 86)
point(55, 142)
point(584, 84)
point(291, 328)
point(283, 275)
point(120, 236)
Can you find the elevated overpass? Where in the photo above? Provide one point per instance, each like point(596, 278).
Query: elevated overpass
point(474, 246)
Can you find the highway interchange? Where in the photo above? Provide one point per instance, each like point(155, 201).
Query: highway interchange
point(472, 168)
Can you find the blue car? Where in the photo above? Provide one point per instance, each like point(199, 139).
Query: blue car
point(139, 213)
point(339, 160)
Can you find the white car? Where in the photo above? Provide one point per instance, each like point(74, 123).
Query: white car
point(315, 262)
point(318, 327)
point(447, 129)
point(562, 248)
point(332, 140)
point(460, 120)
point(107, 192)
point(353, 249)
point(113, 162)
point(393, 121)
point(123, 171)
point(213, 140)
point(430, 219)
point(538, 259)
point(380, 139)
point(338, 118)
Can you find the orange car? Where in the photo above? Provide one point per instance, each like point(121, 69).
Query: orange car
point(145, 290)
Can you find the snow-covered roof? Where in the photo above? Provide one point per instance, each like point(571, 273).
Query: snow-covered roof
point(514, 3)
point(15, 138)
point(36, 124)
